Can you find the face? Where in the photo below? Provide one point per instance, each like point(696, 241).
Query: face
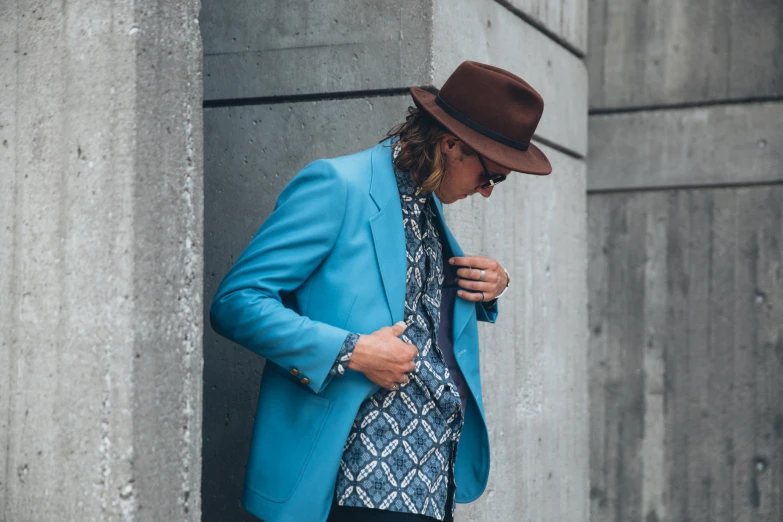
point(464, 174)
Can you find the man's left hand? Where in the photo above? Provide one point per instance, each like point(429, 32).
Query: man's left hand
point(483, 276)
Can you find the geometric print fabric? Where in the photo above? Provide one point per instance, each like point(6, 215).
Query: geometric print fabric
point(400, 453)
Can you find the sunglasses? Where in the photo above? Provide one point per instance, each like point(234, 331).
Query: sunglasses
point(492, 180)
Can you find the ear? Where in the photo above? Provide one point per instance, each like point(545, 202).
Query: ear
point(448, 143)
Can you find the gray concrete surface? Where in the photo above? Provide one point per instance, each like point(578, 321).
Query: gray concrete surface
point(684, 271)
point(342, 47)
point(565, 18)
point(314, 47)
point(663, 53)
point(533, 360)
point(686, 402)
point(257, 49)
point(8, 95)
point(100, 330)
point(721, 144)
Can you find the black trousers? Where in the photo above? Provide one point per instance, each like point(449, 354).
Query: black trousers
point(357, 514)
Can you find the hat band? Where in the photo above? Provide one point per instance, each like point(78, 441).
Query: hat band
point(454, 113)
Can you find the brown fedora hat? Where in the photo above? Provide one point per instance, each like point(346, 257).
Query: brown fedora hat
point(493, 111)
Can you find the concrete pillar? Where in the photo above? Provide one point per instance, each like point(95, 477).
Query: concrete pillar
point(324, 79)
point(685, 196)
point(101, 249)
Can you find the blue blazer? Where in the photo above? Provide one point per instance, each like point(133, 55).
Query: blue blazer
point(330, 260)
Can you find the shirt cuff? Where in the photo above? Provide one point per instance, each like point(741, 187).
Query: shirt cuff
point(346, 351)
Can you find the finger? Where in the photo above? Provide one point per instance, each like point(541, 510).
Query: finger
point(489, 278)
point(471, 284)
point(398, 328)
point(475, 296)
point(475, 274)
point(472, 261)
point(463, 261)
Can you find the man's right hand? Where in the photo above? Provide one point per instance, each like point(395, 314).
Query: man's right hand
point(383, 358)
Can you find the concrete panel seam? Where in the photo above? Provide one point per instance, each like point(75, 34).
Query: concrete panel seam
point(381, 93)
point(290, 48)
point(539, 26)
point(684, 106)
point(327, 96)
point(687, 187)
point(558, 147)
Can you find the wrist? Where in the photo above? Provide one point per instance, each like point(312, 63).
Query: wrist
point(508, 284)
point(359, 351)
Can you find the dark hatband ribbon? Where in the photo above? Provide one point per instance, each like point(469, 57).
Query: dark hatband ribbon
point(454, 113)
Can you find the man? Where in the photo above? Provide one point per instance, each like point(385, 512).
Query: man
point(365, 308)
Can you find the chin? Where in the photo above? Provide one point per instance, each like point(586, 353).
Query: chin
point(448, 200)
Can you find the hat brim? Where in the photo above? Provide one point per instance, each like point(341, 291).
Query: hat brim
point(530, 161)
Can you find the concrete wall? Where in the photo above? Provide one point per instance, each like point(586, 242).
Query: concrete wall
point(563, 20)
point(684, 181)
point(324, 79)
point(706, 146)
point(686, 298)
point(648, 54)
point(100, 243)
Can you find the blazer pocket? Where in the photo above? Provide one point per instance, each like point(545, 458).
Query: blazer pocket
point(289, 421)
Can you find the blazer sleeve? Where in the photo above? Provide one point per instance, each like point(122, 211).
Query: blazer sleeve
point(248, 306)
point(488, 314)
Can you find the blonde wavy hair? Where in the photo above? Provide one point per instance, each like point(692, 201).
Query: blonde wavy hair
point(421, 155)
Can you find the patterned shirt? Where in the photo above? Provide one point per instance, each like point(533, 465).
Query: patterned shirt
point(400, 453)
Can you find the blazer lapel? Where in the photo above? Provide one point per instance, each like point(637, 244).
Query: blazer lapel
point(387, 230)
point(389, 240)
point(463, 310)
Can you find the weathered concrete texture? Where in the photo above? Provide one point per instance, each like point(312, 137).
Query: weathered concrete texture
point(100, 327)
point(721, 144)
point(565, 18)
point(505, 40)
point(8, 97)
point(300, 47)
point(168, 261)
point(331, 47)
point(662, 53)
point(533, 360)
point(686, 353)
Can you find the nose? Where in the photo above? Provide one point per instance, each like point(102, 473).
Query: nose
point(486, 192)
